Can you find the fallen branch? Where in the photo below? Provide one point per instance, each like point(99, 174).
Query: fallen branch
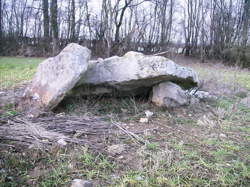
point(161, 53)
point(132, 135)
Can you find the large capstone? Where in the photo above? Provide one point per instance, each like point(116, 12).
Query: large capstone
point(133, 74)
point(55, 77)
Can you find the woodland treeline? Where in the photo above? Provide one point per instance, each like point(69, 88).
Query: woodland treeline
point(204, 28)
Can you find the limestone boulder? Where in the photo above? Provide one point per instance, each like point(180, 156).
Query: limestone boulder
point(55, 77)
point(168, 94)
point(202, 95)
point(246, 102)
point(133, 74)
point(81, 183)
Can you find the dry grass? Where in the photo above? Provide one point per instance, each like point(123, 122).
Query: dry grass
point(217, 72)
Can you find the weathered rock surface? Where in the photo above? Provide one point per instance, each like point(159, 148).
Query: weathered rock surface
point(246, 101)
point(81, 183)
point(202, 95)
point(133, 74)
point(55, 77)
point(116, 149)
point(168, 94)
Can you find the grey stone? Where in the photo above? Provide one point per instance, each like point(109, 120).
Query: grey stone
point(132, 74)
point(143, 120)
point(116, 149)
point(149, 114)
point(55, 77)
point(201, 95)
point(62, 142)
point(168, 94)
point(246, 102)
point(81, 183)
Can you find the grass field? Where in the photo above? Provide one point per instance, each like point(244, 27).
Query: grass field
point(16, 70)
point(207, 144)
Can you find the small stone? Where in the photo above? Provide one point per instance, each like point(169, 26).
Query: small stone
point(71, 166)
point(202, 95)
point(124, 110)
point(62, 142)
point(121, 157)
point(36, 96)
point(60, 114)
point(30, 116)
point(81, 183)
point(222, 135)
point(116, 149)
point(246, 102)
point(143, 120)
point(139, 178)
point(149, 114)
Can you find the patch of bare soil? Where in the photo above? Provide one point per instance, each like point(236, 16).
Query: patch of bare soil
point(10, 97)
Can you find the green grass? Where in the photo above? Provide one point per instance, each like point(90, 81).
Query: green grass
point(192, 168)
point(16, 70)
point(56, 168)
point(152, 146)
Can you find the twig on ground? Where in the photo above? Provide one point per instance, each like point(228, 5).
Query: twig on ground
point(132, 135)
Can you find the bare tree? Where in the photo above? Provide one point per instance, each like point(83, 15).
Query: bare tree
point(0, 22)
point(246, 22)
point(73, 20)
point(54, 25)
point(46, 23)
point(210, 28)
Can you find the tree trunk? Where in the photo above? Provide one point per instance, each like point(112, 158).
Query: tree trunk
point(0, 22)
point(118, 22)
point(54, 25)
point(72, 32)
point(46, 24)
point(246, 20)
point(1, 31)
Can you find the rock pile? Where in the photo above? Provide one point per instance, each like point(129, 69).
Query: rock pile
point(71, 73)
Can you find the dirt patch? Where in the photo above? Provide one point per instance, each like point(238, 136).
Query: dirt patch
point(10, 97)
